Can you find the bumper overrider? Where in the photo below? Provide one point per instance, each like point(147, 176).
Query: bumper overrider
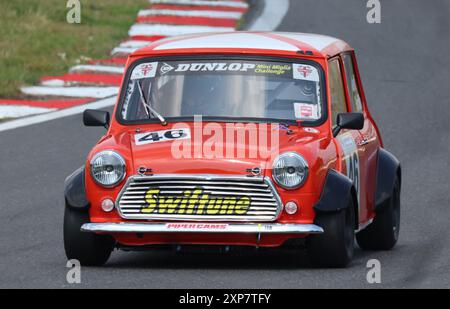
point(214, 228)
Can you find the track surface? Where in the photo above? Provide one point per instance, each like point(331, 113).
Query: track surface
point(405, 67)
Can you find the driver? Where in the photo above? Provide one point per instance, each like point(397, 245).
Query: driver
point(203, 95)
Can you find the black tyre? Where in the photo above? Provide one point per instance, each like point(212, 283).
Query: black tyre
point(90, 249)
point(335, 247)
point(384, 231)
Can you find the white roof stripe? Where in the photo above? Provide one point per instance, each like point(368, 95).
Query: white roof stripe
point(234, 4)
point(251, 40)
point(319, 42)
point(171, 30)
point(229, 40)
point(193, 13)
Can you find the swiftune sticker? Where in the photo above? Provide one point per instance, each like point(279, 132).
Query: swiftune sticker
point(194, 202)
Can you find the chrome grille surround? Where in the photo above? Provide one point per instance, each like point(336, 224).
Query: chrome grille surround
point(266, 204)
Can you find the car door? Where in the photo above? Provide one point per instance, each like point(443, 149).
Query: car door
point(368, 142)
point(346, 139)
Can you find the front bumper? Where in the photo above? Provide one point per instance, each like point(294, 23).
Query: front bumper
point(211, 228)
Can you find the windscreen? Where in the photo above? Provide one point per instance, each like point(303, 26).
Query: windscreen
point(223, 89)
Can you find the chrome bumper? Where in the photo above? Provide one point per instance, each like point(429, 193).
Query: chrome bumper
point(215, 228)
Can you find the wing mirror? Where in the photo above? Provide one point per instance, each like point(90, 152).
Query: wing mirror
point(351, 121)
point(96, 118)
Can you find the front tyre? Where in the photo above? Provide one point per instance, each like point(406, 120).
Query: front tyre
point(89, 249)
point(384, 231)
point(335, 247)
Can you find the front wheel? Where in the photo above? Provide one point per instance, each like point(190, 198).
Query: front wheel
point(89, 249)
point(383, 233)
point(335, 247)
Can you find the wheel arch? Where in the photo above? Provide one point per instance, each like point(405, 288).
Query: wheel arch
point(336, 192)
point(388, 169)
point(355, 205)
point(75, 191)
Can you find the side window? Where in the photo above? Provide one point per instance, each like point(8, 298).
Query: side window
point(338, 104)
point(353, 90)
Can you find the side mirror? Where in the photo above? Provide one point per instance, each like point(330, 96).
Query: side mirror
point(96, 118)
point(352, 121)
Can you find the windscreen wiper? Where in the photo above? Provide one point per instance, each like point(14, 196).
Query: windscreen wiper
point(148, 108)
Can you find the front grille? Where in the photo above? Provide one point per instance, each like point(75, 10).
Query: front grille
point(206, 198)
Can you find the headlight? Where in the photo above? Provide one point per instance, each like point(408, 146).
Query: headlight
point(290, 170)
point(108, 168)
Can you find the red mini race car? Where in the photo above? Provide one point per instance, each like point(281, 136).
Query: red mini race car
point(236, 139)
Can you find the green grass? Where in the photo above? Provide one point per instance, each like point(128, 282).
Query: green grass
point(36, 40)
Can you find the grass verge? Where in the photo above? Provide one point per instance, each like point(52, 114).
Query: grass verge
point(36, 40)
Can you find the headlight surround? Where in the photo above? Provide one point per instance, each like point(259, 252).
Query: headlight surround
point(290, 170)
point(108, 168)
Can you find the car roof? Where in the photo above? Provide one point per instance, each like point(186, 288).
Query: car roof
point(246, 42)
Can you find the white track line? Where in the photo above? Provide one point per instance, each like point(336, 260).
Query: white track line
point(98, 68)
point(272, 15)
point(193, 13)
point(15, 111)
point(53, 83)
point(130, 46)
point(169, 30)
point(62, 83)
point(233, 4)
point(135, 43)
point(76, 92)
point(14, 124)
point(123, 50)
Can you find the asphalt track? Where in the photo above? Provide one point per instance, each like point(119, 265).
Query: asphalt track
point(405, 69)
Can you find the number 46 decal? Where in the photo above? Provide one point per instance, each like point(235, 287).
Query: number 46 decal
point(351, 158)
point(161, 136)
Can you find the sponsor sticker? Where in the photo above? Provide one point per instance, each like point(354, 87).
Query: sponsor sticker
point(298, 71)
point(351, 158)
point(166, 68)
point(194, 202)
point(208, 67)
point(311, 130)
point(306, 111)
point(196, 226)
point(347, 143)
point(215, 67)
point(273, 69)
point(224, 67)
point(305, 72)
point(161, 136)
point(145, 70)
point(286, 70)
